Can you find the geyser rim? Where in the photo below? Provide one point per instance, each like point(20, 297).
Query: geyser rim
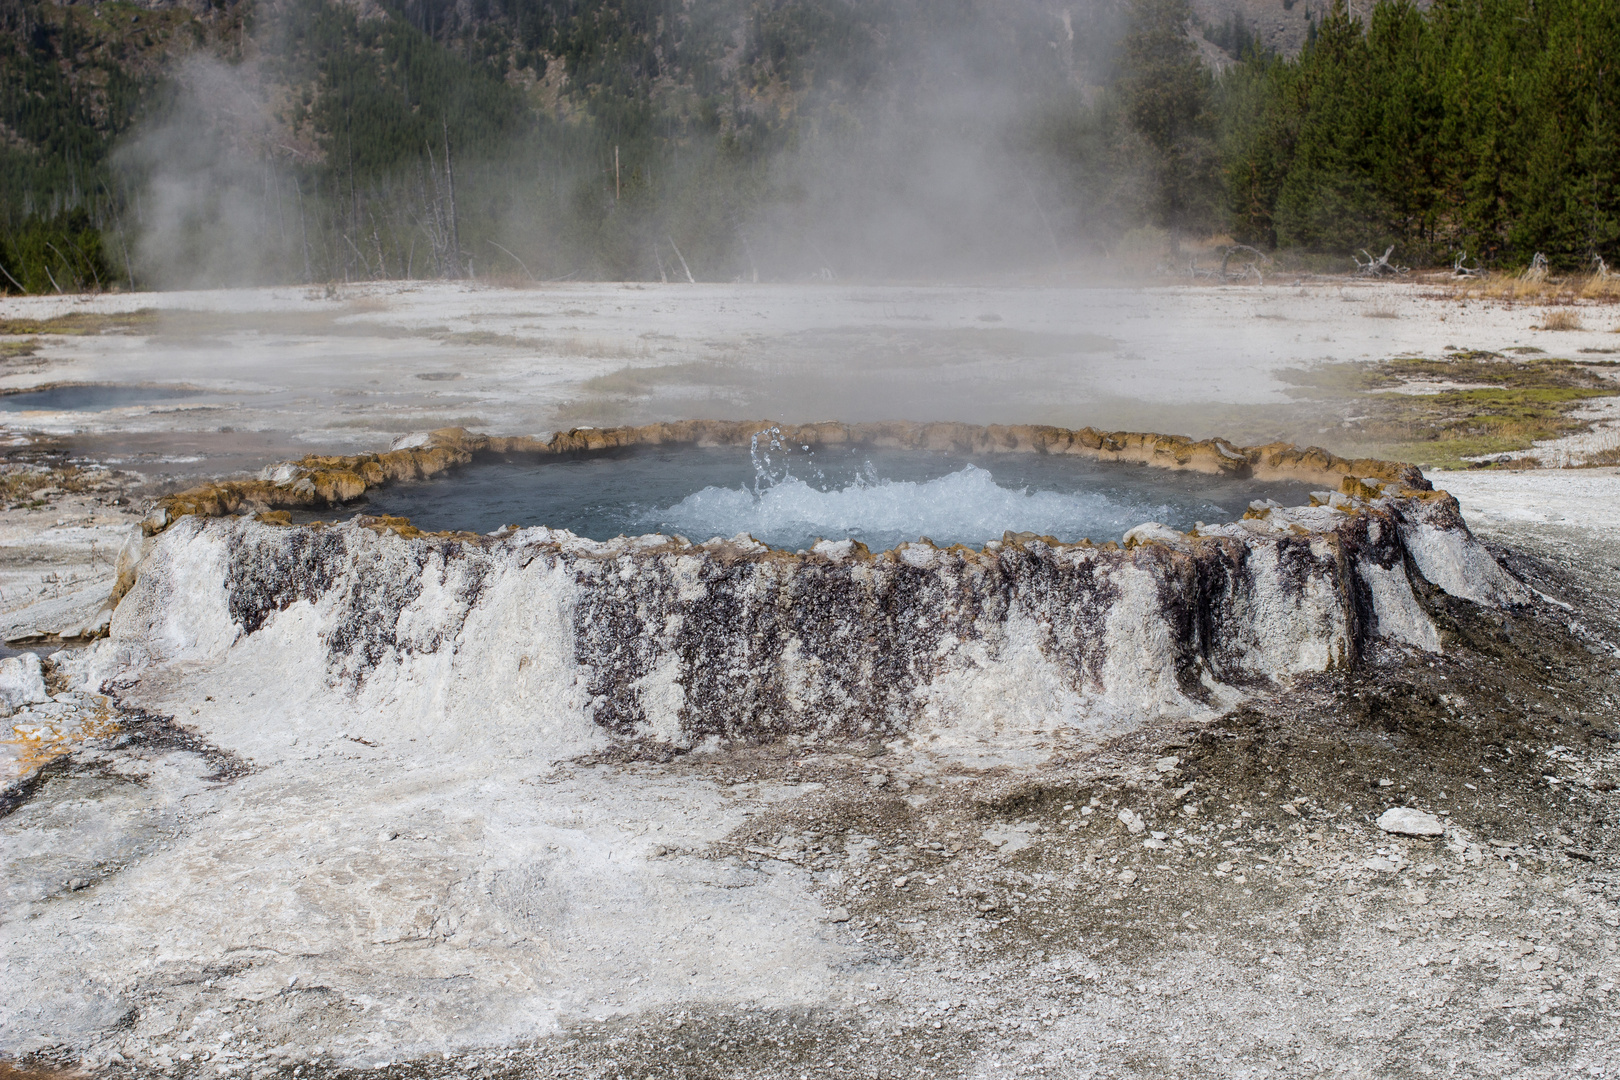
point(316, 482)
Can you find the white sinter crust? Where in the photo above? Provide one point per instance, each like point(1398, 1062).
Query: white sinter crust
point(538, 640)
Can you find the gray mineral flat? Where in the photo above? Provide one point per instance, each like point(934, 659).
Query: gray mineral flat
point(1409, 822)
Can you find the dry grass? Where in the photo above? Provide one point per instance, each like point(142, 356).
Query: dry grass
point(1562, 319)
point(19, 484)
point(1601, 287)
point(82, 322)
point(1513, 288)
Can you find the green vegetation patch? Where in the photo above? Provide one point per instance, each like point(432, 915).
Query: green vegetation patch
point(27, 485)
point(1445, 412)
point(79, 323)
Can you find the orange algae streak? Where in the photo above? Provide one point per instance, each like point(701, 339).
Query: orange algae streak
point(40, 740)
point(8, 1071)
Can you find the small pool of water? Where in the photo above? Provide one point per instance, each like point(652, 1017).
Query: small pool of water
point(90, 398)
point(789, 499)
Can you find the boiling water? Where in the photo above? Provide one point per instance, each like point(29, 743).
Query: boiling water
point(789, 496)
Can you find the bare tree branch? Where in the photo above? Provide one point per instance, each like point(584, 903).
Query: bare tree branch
point(1381, 265)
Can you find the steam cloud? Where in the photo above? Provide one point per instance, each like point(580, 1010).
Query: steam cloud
point(934, 165)
point(207, 188)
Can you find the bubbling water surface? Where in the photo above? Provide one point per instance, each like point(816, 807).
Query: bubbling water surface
point(791, 496)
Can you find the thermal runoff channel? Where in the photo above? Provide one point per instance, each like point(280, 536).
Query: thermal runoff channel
point(789, 496)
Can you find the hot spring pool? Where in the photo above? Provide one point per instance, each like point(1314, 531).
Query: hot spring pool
point(998, 643)
point(791, 497)
point(93, 397)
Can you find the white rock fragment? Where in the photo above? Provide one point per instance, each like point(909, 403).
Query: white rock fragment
point(1408, 822)
point(21, 682)
point(1151, 532)
point(836, 550)
point(1132, 821)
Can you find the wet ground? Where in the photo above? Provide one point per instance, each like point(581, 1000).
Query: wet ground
point(1189, 901)
point(350, 369)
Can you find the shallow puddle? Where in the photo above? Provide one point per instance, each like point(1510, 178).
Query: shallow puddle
point(93, 398)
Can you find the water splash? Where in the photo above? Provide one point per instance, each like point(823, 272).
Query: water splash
point(773, 461)
point(965, 506)
point(788, 495)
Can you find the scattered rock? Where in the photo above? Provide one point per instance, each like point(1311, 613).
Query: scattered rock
point(900, 882)
point(21, 682)
point(838, 915)
point(1405, 821)
point(1132, 821)
point(1127, 877)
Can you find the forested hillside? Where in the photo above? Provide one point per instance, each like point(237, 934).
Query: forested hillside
point(1485, 126)
point(316, 140)
point(72, 80)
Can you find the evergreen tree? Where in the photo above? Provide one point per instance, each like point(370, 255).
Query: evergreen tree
point(1167, 91)
point(1485, 125)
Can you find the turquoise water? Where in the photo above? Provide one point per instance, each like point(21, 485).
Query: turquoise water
point(790, 497)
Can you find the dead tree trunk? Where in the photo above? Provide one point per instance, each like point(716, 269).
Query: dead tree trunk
point(690, 279)
point(303, 228)
point(450, 185)
point(1381, 265)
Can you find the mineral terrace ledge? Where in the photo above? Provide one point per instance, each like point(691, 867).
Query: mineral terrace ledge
point(319, 482)
point(536, 639)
